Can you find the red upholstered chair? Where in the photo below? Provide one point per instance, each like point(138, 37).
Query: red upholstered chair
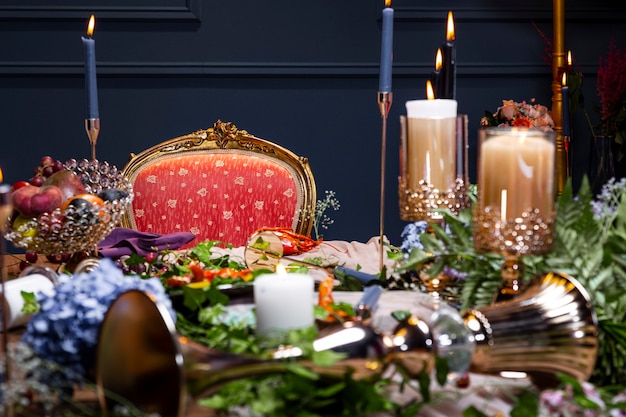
point(220, 184)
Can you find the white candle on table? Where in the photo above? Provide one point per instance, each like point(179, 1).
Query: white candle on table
point(516, 171)
point(14, 302)
point(431, 143)
point(283, 301)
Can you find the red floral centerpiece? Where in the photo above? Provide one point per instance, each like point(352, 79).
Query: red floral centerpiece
point(519, 114)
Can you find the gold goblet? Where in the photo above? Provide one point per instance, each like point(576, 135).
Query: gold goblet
point(515, 211)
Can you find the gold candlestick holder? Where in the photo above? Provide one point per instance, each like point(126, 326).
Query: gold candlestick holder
point(384, 104)
point(92, 126)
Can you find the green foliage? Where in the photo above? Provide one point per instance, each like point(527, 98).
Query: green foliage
point(594, 255)
point(30, 302)
point(455, 249)
point(589, 247)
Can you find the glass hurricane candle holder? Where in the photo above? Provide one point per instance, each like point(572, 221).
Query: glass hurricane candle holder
point(515, 211)
point(433, 160)
point(433, 168)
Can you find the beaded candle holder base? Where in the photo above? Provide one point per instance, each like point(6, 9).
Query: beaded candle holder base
point(418, 204)
point(530, 234)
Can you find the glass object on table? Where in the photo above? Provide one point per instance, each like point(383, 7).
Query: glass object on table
point(515, 212)
point(433, 169)
point(432, 328)
point(433, 166)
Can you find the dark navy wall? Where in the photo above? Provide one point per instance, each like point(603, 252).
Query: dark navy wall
point(301, 73)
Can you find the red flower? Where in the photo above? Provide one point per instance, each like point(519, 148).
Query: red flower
point(612, 88)
point(522, 122)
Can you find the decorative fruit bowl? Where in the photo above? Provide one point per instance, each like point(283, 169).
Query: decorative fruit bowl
point(80, 223)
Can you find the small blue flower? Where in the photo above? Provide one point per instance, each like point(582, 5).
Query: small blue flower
point(411, 236)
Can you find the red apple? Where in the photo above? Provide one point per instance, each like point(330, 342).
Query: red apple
point(69, 183)
point(32, 201)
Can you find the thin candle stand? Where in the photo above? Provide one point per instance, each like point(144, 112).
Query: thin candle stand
point(385, 98)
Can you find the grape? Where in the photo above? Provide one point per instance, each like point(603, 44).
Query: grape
point(23, 265)
point(46, 160)
point(138, 268)
point(37, 181)
point(55, 259)
point(58, 166)
point(47, 171)
point(31, 257)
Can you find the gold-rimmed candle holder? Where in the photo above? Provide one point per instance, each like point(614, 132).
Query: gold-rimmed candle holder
point(433, 167)
point(514, 215)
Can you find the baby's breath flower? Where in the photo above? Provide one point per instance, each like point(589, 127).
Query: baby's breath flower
point(321, 219)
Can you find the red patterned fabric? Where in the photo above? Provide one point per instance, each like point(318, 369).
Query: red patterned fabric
point(222, 195)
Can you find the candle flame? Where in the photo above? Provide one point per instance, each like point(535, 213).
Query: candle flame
point(438, 60)
point(564, 79)
point(91, 26)
point(450, 28)
point(280, 269)
point(1, 177)
point(387, 3)
point(430, 93)
point(569, 58)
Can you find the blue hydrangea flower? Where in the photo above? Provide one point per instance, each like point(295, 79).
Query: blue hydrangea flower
point(411, 236)
point(65, 330)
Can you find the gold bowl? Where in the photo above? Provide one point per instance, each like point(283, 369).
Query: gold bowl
point(74, 230)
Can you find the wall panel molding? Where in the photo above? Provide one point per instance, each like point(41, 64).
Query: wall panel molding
point(538, 10)
point(272, 69)
point(132, 10)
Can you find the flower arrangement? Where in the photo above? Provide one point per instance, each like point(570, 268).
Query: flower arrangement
point(590, 245)
point(611, 86)
point(65, 329)
point(519, 114)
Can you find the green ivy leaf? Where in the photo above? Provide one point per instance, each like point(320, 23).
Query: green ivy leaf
point(30, 302)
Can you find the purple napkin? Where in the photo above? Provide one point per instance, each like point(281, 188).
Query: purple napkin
point(122, 241)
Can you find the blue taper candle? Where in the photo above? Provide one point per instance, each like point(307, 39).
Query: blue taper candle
point(90, 72)
point(386, 50)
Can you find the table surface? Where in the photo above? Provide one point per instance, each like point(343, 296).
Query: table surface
point(483, 391)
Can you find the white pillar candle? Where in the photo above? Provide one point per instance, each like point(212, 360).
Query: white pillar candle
point(431, 143)
point(516, 171)
point(14, 302)
point(283, 301)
